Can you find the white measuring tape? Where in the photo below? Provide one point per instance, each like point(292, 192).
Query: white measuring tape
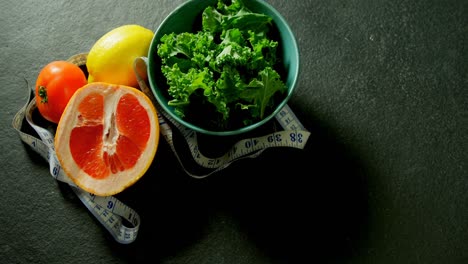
point(108, 210)
point(111, 212)
point(244, 148)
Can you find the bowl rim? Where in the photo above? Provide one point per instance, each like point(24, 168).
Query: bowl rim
point(278, 108)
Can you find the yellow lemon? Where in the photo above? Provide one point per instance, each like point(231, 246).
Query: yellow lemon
point(111, 58)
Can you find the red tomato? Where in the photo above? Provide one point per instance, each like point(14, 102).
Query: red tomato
point(55, 85)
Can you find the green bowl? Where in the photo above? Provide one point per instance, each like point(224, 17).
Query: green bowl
point(186, 18)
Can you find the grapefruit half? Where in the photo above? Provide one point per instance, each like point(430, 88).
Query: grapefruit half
point(107, 137)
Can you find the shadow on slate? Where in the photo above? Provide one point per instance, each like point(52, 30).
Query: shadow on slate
point(301, 204)
point(292, 204)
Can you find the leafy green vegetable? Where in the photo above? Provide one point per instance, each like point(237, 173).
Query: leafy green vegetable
point(261, 91)
point(228, 67)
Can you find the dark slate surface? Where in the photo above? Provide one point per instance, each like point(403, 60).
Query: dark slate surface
point(384, 179)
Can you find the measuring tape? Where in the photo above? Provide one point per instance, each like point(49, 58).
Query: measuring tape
point(244, 148)
point(110, 211)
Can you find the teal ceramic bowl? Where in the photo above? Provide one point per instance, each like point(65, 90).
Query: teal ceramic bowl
point(187, 18)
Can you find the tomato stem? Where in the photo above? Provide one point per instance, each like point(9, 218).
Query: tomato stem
point(43, 94)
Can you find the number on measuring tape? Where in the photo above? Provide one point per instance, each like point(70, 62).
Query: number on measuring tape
point(296, 137)
point(274, 138)
point(55, 171)
point(251, 143)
